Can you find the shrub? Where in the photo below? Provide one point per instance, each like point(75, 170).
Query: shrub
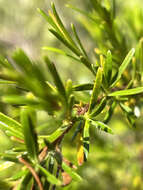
point(117, 83)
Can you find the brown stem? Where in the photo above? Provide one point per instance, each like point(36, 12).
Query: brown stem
point(70, 164)
point(43, 153)
point(21, 160)
point(17, 139)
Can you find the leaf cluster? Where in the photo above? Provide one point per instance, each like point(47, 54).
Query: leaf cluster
point(43, 163)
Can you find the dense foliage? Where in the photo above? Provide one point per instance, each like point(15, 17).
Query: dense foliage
point(71, 113)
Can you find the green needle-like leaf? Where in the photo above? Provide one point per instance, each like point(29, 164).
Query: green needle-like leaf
point(96, 89)
point(59, 51)
point(79, 126)
point(51, 170)
point(102, 126)
point(82, 12)
point(30, 136)
point(56, 78)
point(86, 62)
point(49, 20)
point(56, 134)
point(97, 110)
point(51, 178)
point(22, 61)
point(25, 182)
point(9, 124)
point(107, 69)
point(78, 39)
point(86, 137)
point(127, 92)
point(109, 112)
point(61, 26)
point(124, 65)
point(7, 82)
point(69, 86)
point(127, 109)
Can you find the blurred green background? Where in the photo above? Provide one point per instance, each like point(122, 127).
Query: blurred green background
point(115, 162)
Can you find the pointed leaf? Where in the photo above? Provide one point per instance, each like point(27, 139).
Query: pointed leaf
point(69, 87)
point(86, 140)
point(56, 77)
point(30, 136)
point(61, 26)
point(65, 42)
point(98, 109)
point(50, 169)
point(9, 124)
point(86, 62)
point(7, 82)
point(127, 92)
point(56, 134)
point(127, 109)
point(102, 126)
point(96, 89)
point(51, 178)
point(124, 65)
point(109, 112)
point(49, 20)
point(56, 50)
point(78, 129)
point(25, 182)
point(107, 69)
point(78, 40)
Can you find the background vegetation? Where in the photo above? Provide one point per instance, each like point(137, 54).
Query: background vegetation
point(115, 161)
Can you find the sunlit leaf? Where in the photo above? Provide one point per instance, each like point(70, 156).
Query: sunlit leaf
point(102, 126)
point(56, 77)
point(124, 65)
point(9, 124)
point(30, 137)
point(128, 92)
point(96, 89)
point(108, 67)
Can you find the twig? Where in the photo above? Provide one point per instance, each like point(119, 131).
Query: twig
point(43, 153)
point(21, 160)
point(17, 139)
